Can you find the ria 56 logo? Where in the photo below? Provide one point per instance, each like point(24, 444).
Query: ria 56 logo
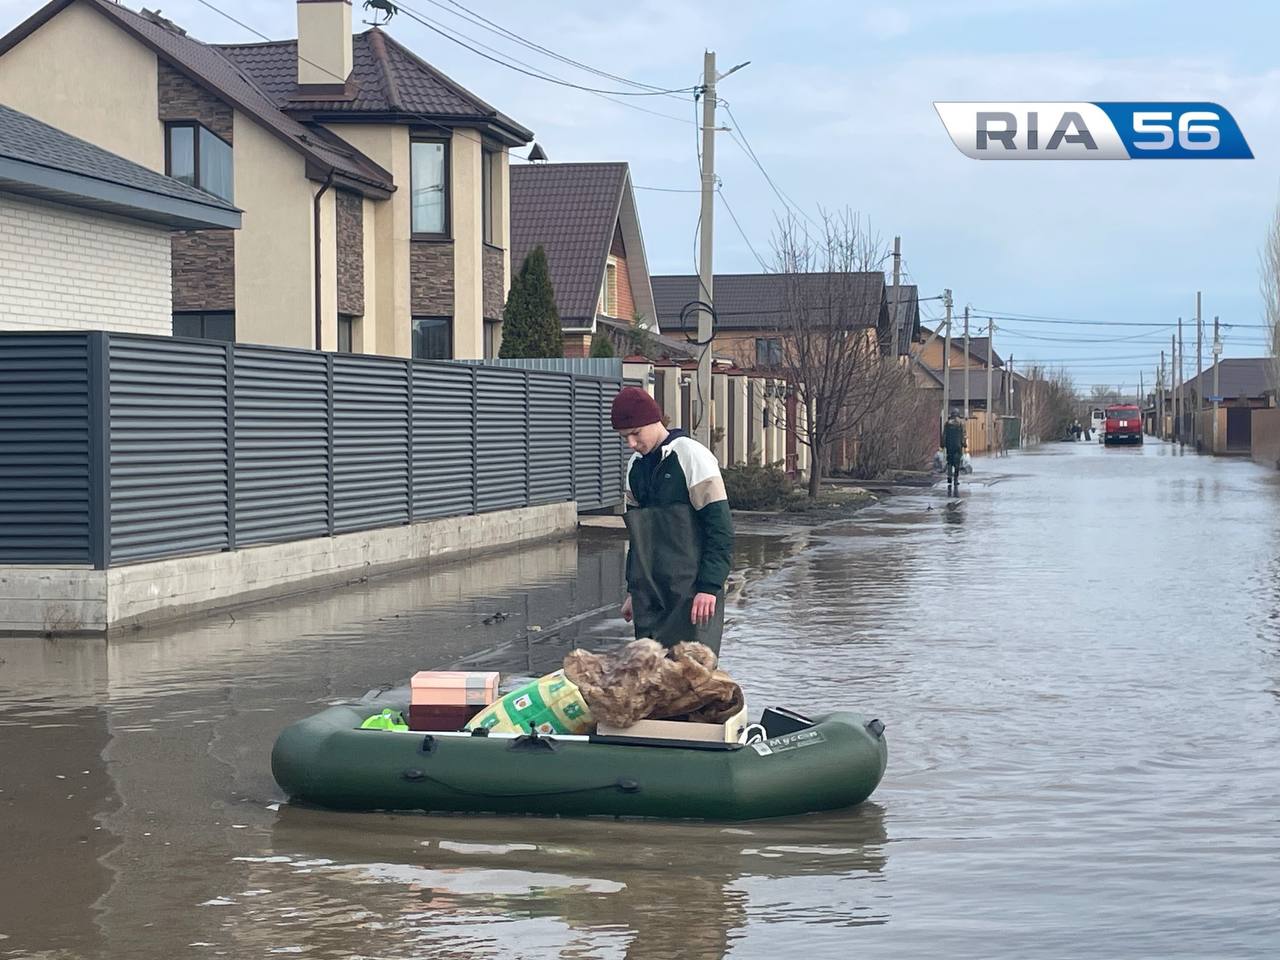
point(1094, 131)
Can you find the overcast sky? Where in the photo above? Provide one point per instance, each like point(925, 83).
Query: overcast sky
point(837, 103)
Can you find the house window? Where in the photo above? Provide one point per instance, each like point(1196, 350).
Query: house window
point(488, 176)
point(608, 305)
point(492, 338)
point(197, 156)
point(219, 325)
point(346, 333)
point(433, 338)
point(429, 187)
point(768, 352)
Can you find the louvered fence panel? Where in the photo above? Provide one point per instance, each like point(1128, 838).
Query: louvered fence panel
point(588, 442)
point(370, 442)
point(502, 439)
point(551, 438)
point(443, 440)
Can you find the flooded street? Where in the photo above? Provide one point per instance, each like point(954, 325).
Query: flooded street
point(1077, 661)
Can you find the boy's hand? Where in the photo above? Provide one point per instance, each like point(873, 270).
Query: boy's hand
point(626, 609)
point(704, 608)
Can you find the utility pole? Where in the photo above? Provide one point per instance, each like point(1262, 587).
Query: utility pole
point(1142, 402)
point(1217, 354)
point(1195, 418)
point(991, 353)
point(1179, 405)
point(966, 369)
point(946, 360)
point(897, 279)
point(1160, 396)
point(706, 223)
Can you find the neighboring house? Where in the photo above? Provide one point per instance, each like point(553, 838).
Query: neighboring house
point(750, 326)
point(904, 319)
point(584, 216)
point(84, 234)
point(1245, 386)
point(374, 188)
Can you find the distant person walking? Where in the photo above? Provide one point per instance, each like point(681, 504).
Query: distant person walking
point(953, 444)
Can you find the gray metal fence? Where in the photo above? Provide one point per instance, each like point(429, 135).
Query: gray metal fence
point(117, 448)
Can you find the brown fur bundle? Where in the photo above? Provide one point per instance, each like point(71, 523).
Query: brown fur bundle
point(644, 680)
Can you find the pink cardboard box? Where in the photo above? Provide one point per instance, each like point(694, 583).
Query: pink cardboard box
point(445, 687)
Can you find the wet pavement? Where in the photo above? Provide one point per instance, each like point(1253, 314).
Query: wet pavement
point(1077, 659)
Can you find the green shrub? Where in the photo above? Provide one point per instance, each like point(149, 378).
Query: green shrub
point(752, 487)
point(601, 347)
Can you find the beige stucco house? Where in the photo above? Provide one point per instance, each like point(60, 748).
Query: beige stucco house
point(374, 189)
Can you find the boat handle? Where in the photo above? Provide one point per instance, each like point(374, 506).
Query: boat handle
point(875, 728)
point(414, 775)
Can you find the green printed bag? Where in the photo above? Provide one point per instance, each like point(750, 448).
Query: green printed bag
point(551, 704)
point(388, 719)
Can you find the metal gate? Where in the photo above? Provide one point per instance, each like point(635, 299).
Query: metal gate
point(1239, 428)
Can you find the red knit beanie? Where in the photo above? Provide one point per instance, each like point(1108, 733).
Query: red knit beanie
point(633, 407)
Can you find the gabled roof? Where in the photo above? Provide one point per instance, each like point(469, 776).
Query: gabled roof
point(977, 384)
point(978, 346)
point(1237, 377)
point(387, 79)
point(904, 314)
point(754, 301)
point(41, 161)
point(207, 66)
point(572, 211)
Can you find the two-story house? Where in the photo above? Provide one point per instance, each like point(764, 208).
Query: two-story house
point(374, 188)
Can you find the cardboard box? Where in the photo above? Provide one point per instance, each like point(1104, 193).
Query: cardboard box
point(453, 688)
point(667, 730)
point(443, 718)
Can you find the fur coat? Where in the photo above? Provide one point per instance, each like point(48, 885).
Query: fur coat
point(645, 680)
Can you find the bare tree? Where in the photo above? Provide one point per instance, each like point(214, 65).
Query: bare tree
point(902, 434)
point(1050, 403)
point(832, 294)
point(1269, 257)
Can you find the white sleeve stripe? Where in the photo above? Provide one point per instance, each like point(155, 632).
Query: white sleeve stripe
point(698, 463)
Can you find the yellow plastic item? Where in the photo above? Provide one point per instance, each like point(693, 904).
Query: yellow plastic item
point(552, 704)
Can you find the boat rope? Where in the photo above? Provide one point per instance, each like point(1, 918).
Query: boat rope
point(624, 784)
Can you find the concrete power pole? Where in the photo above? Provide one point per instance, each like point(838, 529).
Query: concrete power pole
point(991, 353)
point(897, 279)
point(946, 359)
point(1195, 417)
point(1217, 354)
point(966, 368)
point(1178, 406)
point(1160, 397)
point(706, 224)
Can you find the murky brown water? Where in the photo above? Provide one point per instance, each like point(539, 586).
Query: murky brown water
point(1078, 663)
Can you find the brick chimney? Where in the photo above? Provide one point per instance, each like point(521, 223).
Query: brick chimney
point(324, 43)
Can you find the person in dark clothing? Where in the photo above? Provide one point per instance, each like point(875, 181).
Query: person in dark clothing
point(953, 442)
point(680, 528)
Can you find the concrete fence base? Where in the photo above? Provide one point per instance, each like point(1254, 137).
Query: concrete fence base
point(76, 599)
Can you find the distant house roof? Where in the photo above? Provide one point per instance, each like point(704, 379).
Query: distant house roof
point(1237, 377)
point(754, 301)
point(978, 346)
point(904, 315)
point(572, 210)
point(40, 161)
point(977, 383)
point(387, 79)
point(209, 67)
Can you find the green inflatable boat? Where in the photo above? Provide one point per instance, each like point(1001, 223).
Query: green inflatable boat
point(799, 766)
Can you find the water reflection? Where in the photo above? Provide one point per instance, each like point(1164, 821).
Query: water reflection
point(1078, 671)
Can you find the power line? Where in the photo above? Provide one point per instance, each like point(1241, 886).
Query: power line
point(484, 22)
point(535, 73)
point(745, 239)
point(739, 137)
point(990, 314)
point(636, 186)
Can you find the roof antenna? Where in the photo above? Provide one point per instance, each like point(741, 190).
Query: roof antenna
point(385, 7)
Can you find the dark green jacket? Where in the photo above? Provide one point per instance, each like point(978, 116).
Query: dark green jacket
point(688, 473)
point(953, 437)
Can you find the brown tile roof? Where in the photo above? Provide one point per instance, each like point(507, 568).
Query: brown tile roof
point(209, 67)
point(978, 346)
point(905, 307)
point(753, 301)
point(571, 209)
point(386, 78)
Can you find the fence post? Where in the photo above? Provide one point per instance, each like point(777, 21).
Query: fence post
point(573, 438)
point(99, 449)
point(475, 439)
point(408, 420)
point(231, 446)
point(528, 440)
point(332, 429)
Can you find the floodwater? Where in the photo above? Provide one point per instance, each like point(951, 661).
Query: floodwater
point(1077, 660)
